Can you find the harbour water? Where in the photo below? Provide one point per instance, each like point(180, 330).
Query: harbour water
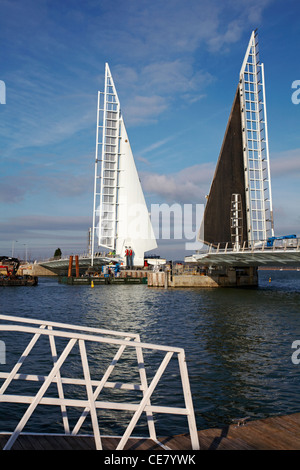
point(238, 342)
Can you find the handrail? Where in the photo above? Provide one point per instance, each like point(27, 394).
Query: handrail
point(292, 244)
point(75, 334)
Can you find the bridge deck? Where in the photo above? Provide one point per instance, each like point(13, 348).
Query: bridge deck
point(275, 433)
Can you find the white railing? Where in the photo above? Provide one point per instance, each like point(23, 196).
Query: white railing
point(85, 336)
point(292, 244)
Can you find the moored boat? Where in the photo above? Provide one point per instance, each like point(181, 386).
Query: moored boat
point(8, 273)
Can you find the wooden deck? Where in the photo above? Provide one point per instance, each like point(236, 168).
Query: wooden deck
point(275, 433)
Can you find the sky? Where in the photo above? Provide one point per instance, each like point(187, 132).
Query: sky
point(175, 64)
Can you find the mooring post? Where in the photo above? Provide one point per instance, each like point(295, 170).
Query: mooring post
point(70, 266)
point(77, 265)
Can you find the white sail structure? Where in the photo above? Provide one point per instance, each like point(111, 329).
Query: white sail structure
point(120, 216)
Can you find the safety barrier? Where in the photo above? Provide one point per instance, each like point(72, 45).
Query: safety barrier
point(83, 336)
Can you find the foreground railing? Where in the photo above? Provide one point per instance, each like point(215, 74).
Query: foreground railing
point(83, 337)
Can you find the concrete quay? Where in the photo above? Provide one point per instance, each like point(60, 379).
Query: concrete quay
point(227, 277)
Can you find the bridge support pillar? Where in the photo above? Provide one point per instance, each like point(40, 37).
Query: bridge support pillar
point(236, 277)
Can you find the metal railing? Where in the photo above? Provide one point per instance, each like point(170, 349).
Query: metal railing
point(264, 245)
point(83, 336)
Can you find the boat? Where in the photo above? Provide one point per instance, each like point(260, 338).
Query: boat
point(9, 273)
point(19, 281)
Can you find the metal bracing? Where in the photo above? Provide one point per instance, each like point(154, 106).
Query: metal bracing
point(236, 221)
point(106, 165)
point(255, 146)
point(83, 338)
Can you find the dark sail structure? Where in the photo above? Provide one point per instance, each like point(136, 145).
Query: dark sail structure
point(239, 204)
point(228, 180)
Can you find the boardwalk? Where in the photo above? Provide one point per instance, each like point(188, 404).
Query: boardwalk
point(275, 433)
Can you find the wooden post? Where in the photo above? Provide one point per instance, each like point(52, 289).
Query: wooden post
point(166, 279)
point(77, 265)
point(70, 266)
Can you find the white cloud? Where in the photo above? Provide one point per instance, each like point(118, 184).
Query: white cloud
point(189, 185)
point(144, 109)
point(174, 76)
point(231, 35)
point(157, 144)
point(286, 163)
point(148, 91)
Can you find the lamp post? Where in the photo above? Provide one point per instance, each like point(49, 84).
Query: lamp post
point(13, 247)
point(25, 244)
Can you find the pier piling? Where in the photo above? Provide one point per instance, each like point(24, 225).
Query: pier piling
point(70, 266)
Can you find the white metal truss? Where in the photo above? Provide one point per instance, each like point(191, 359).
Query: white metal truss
point(255, 146)
point(106, 165)
point(84, 337)
point(236, 221)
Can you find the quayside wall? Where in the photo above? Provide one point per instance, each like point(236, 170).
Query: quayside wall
point(229, 277)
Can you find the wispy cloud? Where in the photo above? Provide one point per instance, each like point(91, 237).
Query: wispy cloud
point(52, 183)
point(40, 223)
point(189, 185)
point(157, 145)
point(144, 109)
point(150, 90)
point(286, 163)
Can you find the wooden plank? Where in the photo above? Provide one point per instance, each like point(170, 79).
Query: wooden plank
point(274, 433)
point(89, 443)
point(46, 442)
point(257, 435)
point(27, 443)
point(141, 444)
point(69, 443)
point(110, 443)
point(293, 422)
point(181, 441)
point(35, 443)
point(3, 440)
point(78, 443)
point(220, 440)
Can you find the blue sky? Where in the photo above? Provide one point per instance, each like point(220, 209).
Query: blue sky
point(175, 64)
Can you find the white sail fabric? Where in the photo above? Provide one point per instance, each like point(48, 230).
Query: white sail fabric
point(119, 203)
